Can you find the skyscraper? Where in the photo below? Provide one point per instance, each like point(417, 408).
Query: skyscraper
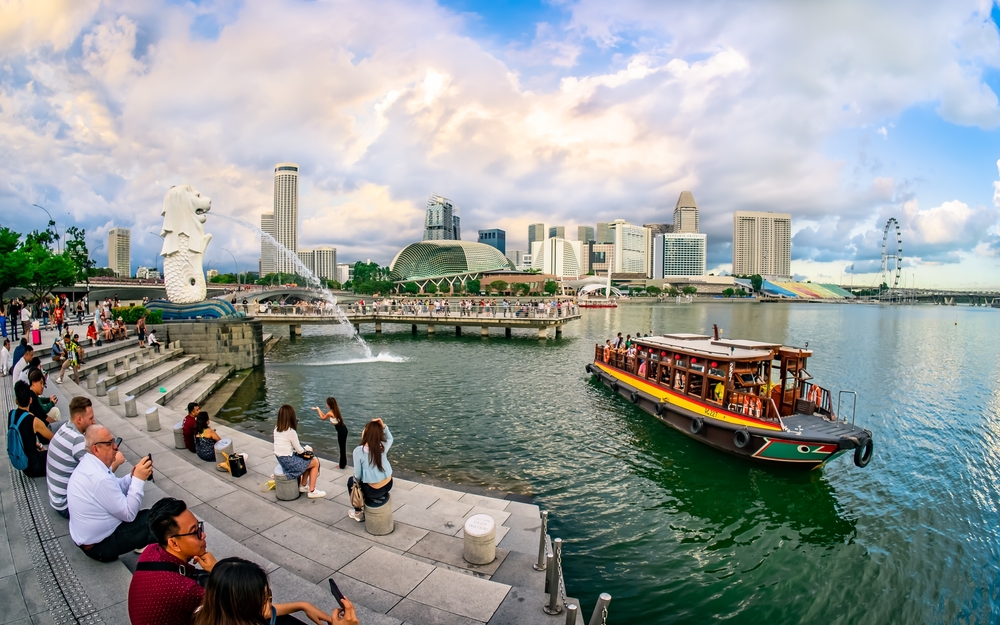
point(325, 262)
point(585, 234)
point(762, 244)
point(630, 243)
point(120, 251)
point(267, 251)
point(557, 256)
point(286, 213)
point(441, 223)
point(603, 233)
point(686, 214)
point(495, 238)
point(679, 255)
point(308, 258)
point(536, 232)
point(557, 232)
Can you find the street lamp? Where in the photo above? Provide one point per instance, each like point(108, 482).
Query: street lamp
point(237, 268)
point(53, 223)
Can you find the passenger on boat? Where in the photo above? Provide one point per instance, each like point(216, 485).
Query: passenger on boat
point(619, 341)
point(628, 341)
point(719, 391)
point(642, 368)
point(679, 380)
point(630, 350)
point(607, 351)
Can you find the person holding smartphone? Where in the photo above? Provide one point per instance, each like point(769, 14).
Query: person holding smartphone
point(338, 422)
point(371, 467)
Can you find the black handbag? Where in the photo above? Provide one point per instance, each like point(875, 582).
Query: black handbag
point(237, 465)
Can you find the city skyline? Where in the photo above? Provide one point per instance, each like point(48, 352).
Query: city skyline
point(574, 113)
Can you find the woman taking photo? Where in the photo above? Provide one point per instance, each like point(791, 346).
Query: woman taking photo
point(371, 467)
point(290, 453)
point(238, 593)
point(338, 421)
point(205, 438)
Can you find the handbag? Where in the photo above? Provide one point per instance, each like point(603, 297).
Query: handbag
point(308, 455)
point(237, 465)
point(357, 497)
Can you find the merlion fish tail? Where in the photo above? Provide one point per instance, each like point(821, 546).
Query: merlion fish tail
point(183, 274)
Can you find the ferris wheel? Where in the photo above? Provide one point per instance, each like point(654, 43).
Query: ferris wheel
point(895, 258)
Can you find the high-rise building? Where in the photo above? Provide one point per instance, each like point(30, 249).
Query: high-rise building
point(536, 232)
point(556, 256)
point(268, 261)
point(658, 229)
point(603, 233)
point(441, 223)
point(686, 214)
point(120, 251)
point(631, 244)
point(494, 238)
point(516, 258)
point(585, 234)
point(557, 232)
point(599, 257)
point(325, 263)
point(762, 244)
point(286, 213)
point(345, 272)
point(679, 254)
point(308, 258)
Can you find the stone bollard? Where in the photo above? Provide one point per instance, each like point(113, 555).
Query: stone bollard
point(113, 399)
point(480, 541)
point(179, 435)
point(284, 488)
point(102, 388)
point(139, 357)
point(378, 521)
point(92, 380)
point(223, 446)
point(130, 410)
point(126, 364)
point(153, 419)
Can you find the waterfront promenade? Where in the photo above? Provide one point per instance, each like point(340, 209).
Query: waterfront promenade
point(415, 574)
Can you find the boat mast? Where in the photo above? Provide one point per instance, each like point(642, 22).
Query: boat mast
point(607, 293)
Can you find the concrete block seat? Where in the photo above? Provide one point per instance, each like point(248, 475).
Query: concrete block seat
point(151, 378)
point(199, 390)
point(175, 384)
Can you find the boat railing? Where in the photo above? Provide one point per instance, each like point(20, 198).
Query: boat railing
point(823, 398)
point(746, 404)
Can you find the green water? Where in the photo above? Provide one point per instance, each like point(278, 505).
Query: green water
point(677, 532)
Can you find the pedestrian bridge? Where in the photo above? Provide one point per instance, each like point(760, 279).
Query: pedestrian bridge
point(526, 317)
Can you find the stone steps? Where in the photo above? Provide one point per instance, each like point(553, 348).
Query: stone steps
point(96, 357)
point(199, 391)
point(148, 379)
point(175, 384)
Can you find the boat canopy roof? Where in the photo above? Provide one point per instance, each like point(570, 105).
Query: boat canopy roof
point(698, 344)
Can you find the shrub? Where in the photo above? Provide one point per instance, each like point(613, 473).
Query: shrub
point(132, 314)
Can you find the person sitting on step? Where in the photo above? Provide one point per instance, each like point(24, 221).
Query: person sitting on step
point(371, 466)
point(44, 408)
point(153, 342)
point(29, 428)
point(292, 455)
point(189, 425)
point(205, 438)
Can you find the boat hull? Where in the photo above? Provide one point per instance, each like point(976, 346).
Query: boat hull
point(755, 440)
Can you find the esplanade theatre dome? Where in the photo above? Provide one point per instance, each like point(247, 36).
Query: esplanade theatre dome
point(435, 259)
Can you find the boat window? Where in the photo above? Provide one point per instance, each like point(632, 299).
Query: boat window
point(717, 369)
point(680, 360)
point(696, 385)
point(697, 365)
point(680, 380)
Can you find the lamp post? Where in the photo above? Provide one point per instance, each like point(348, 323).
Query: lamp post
point(237, 268)
point(53, 224)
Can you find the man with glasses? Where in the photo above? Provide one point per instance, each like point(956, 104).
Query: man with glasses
point(166, 588)
point(104, 516)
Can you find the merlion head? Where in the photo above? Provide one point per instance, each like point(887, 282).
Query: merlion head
point(184, 212)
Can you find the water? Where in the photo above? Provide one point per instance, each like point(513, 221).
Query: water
point(675, 531)
point(305, 272)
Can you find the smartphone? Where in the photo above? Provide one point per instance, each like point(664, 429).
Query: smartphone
point(339, 596)
point(149, 457)
point(118, 442)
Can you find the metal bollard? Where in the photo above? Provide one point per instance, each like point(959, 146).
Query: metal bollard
point(130, 410)
point(152, 419)
point(555, 605)
point(571, 611)
point(113, 399)
point(540, 565)
point(102, 387)
point(600, 614)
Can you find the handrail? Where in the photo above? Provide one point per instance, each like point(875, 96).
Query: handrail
point(854, 406)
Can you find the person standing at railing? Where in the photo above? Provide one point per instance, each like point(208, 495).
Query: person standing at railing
point(338, 422)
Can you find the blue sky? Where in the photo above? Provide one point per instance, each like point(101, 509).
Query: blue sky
point(567, 112)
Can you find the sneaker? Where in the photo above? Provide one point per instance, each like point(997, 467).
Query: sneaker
point(357, 516)
point(317, 494)
point(58, 380)
point(303, 489)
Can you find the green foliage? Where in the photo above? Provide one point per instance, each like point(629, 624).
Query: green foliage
point(653, 290)
point(757, 281)
point(100, 272)
point(637, 289)
point(369, 278)
point(13, 267)
point(76, 249)
point(431, 288)
point(689, 290)
point(673, 292)
point(520, 288)
point(132, 314)
point(46, 270)
point(457, 287)
point(498, 286)
point(728, 292)
point(282, 278)
point(332, 285)
point(412, 288)
point(472, 286)
point(551, 287)
point(224, 278)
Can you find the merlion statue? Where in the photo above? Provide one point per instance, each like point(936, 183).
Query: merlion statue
point(184, 244)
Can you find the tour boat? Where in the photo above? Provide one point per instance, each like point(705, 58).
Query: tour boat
point(596, 303)
point(751, 399)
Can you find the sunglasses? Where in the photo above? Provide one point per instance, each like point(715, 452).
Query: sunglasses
point(200, 532)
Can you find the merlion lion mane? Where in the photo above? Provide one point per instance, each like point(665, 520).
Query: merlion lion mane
point(184, 244)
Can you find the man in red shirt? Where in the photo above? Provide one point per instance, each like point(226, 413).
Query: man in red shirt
point(58, 316)
point(190, 421)
point(166, 587)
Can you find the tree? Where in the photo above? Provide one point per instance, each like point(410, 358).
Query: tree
point(498, 286)
point(551, 287)
point(689, 290)
point(472, 286)
point(13, 264)
point(76, 250)
point(637, 289)
point(46, 269)
point(757, 281)
point(431, 288)
point(224, 278)
point(333, 285)
point(672, 291)
point(653, 290)
point(457, 288)
point(411, 287)
point(728, 292)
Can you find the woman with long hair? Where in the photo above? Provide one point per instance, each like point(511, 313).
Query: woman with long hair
point(238, 593)
point(371, 467)
point(290, 453)
point(205, 438)
point(338, 422)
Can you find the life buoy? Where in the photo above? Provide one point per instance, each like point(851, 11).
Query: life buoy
point(863, 453)
point(634, 397)
point(814, 394)
point(697, 425)
point(751, 405)
point(741, 438)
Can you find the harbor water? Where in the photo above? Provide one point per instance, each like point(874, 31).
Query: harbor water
point(675, 531)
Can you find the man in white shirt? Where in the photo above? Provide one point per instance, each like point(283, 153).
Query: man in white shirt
point(26, 319)
point(21, 366)
point(5, 358)
point(105, 520)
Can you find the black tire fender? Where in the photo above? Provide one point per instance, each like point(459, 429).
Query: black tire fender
point(634, 397)
point(659, 409)
point(864, 452)
point(614, 385)
point(589, 368)
point(697, 425)
point(741, 438)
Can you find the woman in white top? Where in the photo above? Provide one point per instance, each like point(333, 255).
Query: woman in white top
point(289, 453)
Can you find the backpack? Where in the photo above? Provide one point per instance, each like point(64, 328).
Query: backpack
point(15, 447)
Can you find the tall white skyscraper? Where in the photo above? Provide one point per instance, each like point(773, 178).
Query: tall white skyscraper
point(267, 250)
point(556, 256)
point(630, 247)
point(120, 251)
point(679, 255)
point(325, 262)
point(441, 222)
point(308, 258)
point(686, 214)
point(762, 244)
point(286, 213)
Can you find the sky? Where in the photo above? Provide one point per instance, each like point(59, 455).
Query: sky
point(565, 112)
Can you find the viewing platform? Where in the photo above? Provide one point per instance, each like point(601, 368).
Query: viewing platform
point(527, 317)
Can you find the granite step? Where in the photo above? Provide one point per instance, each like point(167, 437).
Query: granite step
point(119, 375)
point(199, 391)
point(175, 384)
point(95, 356)
point(148, 379)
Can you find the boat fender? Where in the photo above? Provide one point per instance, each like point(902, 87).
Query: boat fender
point(697, 425)
point(634, 397)
point(614, 385)
point(589, 368)
point(863, 453)
point(659, 409)
point(741, 438)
